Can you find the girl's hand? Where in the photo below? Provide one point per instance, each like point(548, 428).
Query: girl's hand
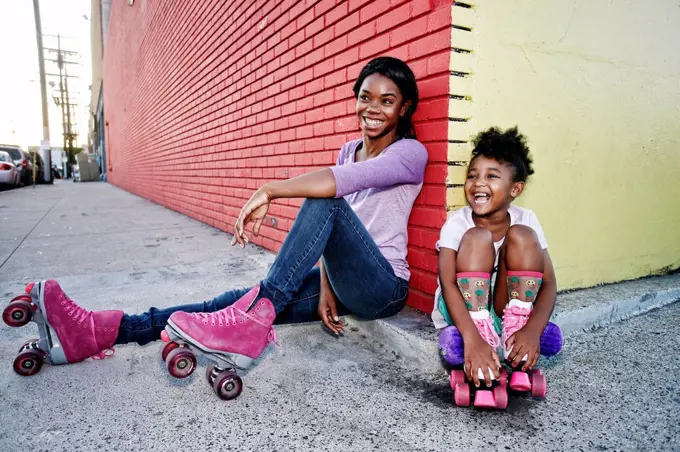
point(525, 341)
point(328, 312)
point(480, 355)
point(253, 211)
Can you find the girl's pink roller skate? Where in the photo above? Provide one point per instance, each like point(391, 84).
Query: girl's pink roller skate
point(464, 392)
point(515, 317)
point(68, 332)
point(233, 337)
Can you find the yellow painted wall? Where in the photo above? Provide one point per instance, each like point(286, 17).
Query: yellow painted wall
point(595, 86)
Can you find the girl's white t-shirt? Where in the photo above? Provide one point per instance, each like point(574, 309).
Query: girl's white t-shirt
point(458, 224)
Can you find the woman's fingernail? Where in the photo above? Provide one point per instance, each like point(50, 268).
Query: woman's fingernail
point(336, 318)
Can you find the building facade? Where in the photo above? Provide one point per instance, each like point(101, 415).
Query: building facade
point(205, 101)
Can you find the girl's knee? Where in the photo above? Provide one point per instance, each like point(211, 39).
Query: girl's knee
point(477, 235)
point(521, 235)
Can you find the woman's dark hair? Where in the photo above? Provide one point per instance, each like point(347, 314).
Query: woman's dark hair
point(507, 147)
point(402, 76)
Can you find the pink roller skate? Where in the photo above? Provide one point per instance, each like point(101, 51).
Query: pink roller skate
point(463, 390)
point(68, 333)
point(516, 315)
point(233, 337)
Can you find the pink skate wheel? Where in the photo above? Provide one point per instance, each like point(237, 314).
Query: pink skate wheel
point(519, 381)
point(181, 362)
point(500, 394)
point(456, 376)
point(29, 287)
point(503, 381)
point(210, 376)
point(228, 385)
point(26, 298)
point(164, 336)
point(170, 346)
point(17, 313)
point(539, 386)
point(28, 363)
point(484, 398)
point(461, 394)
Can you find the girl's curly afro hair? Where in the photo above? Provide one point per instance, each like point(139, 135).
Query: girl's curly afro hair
point(507, 147)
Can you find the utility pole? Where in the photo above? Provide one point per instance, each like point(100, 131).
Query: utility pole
point(45, 144)
point(64, 101)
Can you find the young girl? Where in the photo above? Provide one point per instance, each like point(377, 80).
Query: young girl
point(494, 248)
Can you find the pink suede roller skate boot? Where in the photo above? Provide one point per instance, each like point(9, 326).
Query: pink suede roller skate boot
point(463, 390)
point(234, 337)
point(68, 332)
point(516, 315)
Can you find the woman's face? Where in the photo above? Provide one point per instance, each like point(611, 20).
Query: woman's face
point(380, 106)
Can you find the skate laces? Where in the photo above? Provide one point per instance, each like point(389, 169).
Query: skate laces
point(488, 333)
point(514, 318)
point(223, 317)
point(271, 337)
point(106, 353)
point(77, 313)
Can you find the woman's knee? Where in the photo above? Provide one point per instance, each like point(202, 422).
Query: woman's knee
point(323, 203)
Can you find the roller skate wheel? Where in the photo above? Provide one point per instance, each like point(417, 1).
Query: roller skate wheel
point(456, 376)
point(22, 297)
point(500, 395)
point(461, 394)
point(28, 363)
point(170, 346)
point(164, 336)
point(17, 313)
point(539, 386)
point(228, 385)
point(503, 380)
point(209, 374)
point(536, 372)
point(180, 362)
point(26, 344)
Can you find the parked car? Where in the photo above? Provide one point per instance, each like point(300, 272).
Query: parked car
point(9, 174)
point(22, 161)
point(39, 166)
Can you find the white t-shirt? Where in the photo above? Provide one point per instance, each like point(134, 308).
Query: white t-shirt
point(458, 224)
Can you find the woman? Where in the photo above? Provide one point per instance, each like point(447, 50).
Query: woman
point(354, 219)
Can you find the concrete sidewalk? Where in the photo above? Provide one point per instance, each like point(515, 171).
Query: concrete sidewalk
point(96, 239)
point(379, 387)
point(412, 335)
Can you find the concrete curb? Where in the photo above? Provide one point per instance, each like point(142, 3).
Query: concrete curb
point(411, 336)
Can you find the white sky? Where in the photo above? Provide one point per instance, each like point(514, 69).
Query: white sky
point(20, 110)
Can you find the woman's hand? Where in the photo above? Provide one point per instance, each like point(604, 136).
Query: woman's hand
point(328, 311)
point(480, 355)
point(253, 211)
point(525, 341)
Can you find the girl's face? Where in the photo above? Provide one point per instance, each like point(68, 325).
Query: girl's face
point(489, 187)
point(380, 105)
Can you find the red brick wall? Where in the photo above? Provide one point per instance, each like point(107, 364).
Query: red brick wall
point(207, 100)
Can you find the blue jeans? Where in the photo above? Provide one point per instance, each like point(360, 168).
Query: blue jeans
point(362, 279)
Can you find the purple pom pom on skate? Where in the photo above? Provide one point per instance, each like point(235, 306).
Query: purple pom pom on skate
point(551, 340)
point(451, 346)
